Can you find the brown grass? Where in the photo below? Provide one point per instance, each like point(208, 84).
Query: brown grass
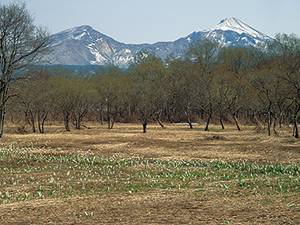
point(181, 206)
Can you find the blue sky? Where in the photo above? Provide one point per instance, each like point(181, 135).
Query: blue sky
point(150, 21)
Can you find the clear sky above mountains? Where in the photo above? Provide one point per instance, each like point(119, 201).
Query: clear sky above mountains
point(150, 21)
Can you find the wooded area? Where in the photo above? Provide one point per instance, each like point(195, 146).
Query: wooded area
point(260, 85)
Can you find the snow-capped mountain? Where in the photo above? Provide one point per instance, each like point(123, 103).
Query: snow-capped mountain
point(231, 32)
point(85, 46)
point(233, 24)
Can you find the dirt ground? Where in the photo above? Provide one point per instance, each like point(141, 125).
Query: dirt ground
point(174, 142)
point(160, 206)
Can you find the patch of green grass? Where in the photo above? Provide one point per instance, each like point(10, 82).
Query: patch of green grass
point(26, 175)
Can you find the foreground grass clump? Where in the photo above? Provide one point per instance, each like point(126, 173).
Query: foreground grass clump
point(26, 175)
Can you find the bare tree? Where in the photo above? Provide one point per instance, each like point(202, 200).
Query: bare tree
point(148, 92)
point(204, 55)
point(285, 51)
point(21, 43)
point(183, 82)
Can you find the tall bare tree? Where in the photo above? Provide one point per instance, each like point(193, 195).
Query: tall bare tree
point(285, 51)
point(148, 92)
point(204, 55)
point(183, 82)
point(21, 43)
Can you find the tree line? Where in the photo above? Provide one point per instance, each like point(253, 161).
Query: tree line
point(259, 84)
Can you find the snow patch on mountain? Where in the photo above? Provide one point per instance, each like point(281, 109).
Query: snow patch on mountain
point(79, 36)
point(234, 24)
point(83, 45)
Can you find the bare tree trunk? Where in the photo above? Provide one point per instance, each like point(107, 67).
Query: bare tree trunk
point(2, 108)
point(113, 119)
point(102, 118)
point(280, 120)
point(274, 126)
point(159, 122)
point(2, 118)
point(101, 115)
point(112, 124)
point(236, 122)
point(189, 117)
point(269, 123)
point(296, 127)
point(108, 116)
point(32, 121)
point(42, 125)
point(144, 127)
point(207, 123)
point(41, 129)
point(66, 121)
point(221, 122)
point(78, 124)
point(189, 121)
point(108, 121)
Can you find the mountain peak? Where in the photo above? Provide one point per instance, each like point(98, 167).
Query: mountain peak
point(84, 32)
point(83, 45)
point(230, 20)
point(234, 24)
point(74, 29)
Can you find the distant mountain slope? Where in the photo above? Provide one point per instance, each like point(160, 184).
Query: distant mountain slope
point(85, 46)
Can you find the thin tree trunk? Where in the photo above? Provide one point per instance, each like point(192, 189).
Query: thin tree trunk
point(207, 123)
point(3, 95)
point(221, 122)
point(32, 122)
point(2, 118)
point(236, 122)
point(112, 124)
point(39, 123)
point(101, 115)
point(108, 115)
point(296, 127)
point(66, 122)
point(108, 121)
point(101, 119)
point(78, 124)
point(113, 119)
point(274, 126)
point(280, 120)
point(144, 127)
point(269, 123)
point(188, 116)
point(160, 123)
point(189, 121)
point(42, 126)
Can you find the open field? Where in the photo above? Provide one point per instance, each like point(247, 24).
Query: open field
point(174, 175)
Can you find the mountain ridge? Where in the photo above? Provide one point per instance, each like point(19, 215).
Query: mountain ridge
point(83, 45)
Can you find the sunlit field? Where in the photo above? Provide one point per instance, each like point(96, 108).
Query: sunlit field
point(175, 175)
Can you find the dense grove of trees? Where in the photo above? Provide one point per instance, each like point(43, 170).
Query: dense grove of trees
point(260, 85)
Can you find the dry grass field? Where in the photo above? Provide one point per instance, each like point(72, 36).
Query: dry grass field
point(166, 176)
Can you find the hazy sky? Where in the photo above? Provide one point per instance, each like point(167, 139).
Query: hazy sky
point(150, 21)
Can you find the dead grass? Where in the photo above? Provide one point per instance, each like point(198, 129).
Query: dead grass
point(192, 204)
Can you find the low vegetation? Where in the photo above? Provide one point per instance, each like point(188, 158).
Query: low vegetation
point(172, 175)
